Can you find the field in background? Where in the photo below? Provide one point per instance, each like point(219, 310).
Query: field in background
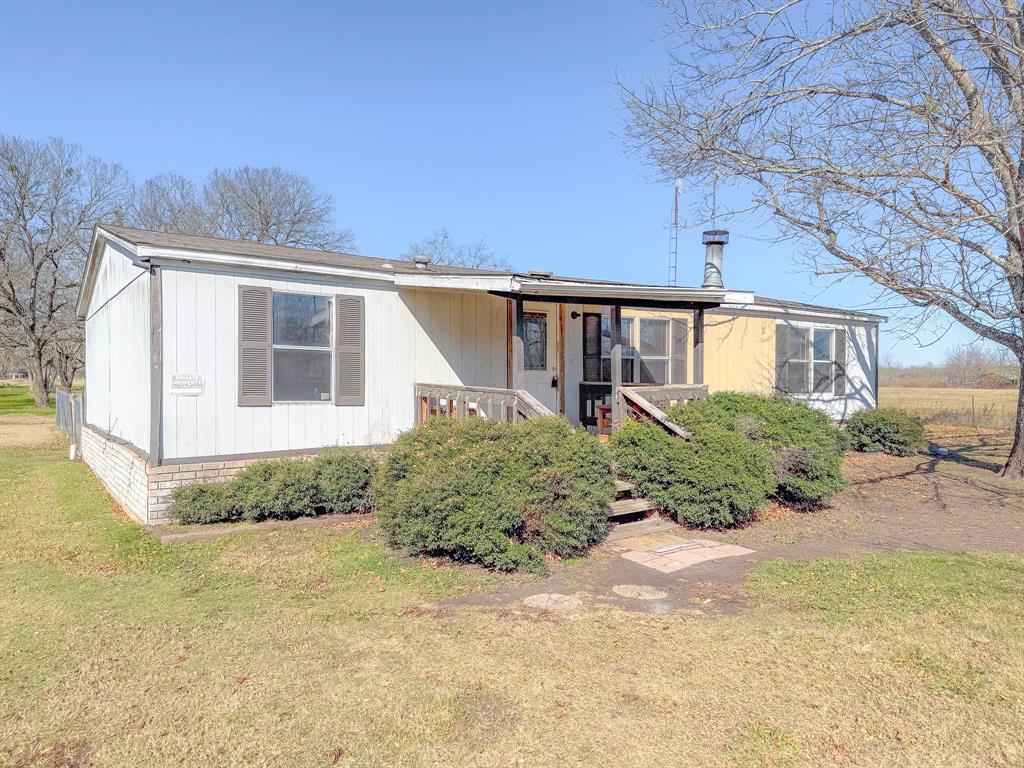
point(16, 398)
point(950, 405)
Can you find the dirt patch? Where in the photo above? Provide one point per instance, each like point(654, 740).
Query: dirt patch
point(952, 503)
point(19, 430)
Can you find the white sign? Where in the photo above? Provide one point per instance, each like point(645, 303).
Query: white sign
point(187, 384)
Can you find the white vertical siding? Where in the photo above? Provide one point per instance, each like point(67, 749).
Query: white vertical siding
point(426, 336)
point(117, 361)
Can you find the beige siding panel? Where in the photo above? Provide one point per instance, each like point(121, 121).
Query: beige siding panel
point(739, 353)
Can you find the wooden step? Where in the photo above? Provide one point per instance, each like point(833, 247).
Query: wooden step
point(623, 486)
point(648, 525)
point(624, 507)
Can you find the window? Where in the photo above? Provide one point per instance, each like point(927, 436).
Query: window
point(822, 349)
point(810, 360)
point(301, 347)
point(653, 349)
point(652, 343)
point(628, 352)
point(535, 344)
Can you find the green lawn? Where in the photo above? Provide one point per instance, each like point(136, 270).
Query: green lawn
point(17, 399)
point(321, 647)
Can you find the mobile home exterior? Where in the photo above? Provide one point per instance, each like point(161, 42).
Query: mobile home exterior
point(203, 355)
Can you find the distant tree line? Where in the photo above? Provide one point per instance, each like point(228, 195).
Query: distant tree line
point(52, 195)
point(965, 365)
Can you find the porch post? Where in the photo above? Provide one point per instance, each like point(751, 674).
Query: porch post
point(698, 346)
point(518, 345)
point(615, 322)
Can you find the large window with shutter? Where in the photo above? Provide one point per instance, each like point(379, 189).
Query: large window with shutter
point(296, 347)
point(810, 360)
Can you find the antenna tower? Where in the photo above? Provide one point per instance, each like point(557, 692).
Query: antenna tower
point(673, 238)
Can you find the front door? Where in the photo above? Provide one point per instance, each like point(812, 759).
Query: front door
point(540, 375)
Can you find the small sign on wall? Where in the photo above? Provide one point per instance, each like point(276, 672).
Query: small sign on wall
point(187, 384)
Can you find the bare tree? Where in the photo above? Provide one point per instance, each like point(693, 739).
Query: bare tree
point(168, 203)
point(265, 205)
point(51, 195)
point(886, 135)
point(964, 363)
point(271, 205)
point(441, 248)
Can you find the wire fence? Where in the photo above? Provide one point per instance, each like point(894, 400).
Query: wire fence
point(70, 409)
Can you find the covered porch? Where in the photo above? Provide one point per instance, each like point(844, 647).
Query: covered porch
point(597, 353)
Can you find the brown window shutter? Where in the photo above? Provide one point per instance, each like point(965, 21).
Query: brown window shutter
point(679, 336)
point(839, 370)
point(349, 350)
point(781, 356)
point(254, 343)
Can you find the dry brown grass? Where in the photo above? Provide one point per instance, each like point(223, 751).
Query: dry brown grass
point(28, 431)
point(993, 408)
point(323, 648)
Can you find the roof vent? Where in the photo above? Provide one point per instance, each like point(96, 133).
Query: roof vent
point(420, 260)
point(540, 273)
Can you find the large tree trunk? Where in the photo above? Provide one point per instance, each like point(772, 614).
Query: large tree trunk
point(1015, 464)
point(37, 378)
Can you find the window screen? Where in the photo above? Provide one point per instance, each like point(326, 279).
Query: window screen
point(302, 347)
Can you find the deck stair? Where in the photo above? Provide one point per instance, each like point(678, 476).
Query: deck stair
point(628, 508)
point(632, 515)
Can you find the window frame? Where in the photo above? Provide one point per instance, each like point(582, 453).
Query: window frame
point(811, 360)
point(274, 346)
point(632, 358)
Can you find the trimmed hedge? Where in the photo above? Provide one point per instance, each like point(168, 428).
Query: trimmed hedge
point(807, 450)
point(887, 430)
point(499, 494)
point(337, 480)
point(715, 480)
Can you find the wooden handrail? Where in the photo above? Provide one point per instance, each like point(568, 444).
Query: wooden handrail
point(642, 403)
point(458, 402)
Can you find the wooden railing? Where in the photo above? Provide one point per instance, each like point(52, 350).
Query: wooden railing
point(646, 404)
point(458, 402)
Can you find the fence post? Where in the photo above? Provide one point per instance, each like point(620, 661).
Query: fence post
point(72, 437)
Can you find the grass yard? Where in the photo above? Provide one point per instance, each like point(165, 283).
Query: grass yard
point(951, 405)
point(321, 648)
point(16, 398)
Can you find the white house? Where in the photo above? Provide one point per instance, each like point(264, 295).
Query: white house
point(203, 354)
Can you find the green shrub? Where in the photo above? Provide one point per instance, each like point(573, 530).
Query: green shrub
point(806, 448)
point(344, 476)
point(203, 503)
point(336, 481)
point(279, 490)
point(499, 494)
point(715, 480)
point(888, 430)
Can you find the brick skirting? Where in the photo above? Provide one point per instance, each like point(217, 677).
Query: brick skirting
point(142, 490)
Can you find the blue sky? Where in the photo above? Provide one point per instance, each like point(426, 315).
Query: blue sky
point(495, 120)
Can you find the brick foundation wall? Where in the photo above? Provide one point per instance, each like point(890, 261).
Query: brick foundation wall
point(164, 479)
point(142, 490)
point(122, 470)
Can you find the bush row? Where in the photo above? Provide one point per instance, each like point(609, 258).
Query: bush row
point(503, 495)
point(337, 480)
point(745, 449)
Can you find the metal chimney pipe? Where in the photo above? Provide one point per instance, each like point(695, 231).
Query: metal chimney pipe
point(714, 244)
